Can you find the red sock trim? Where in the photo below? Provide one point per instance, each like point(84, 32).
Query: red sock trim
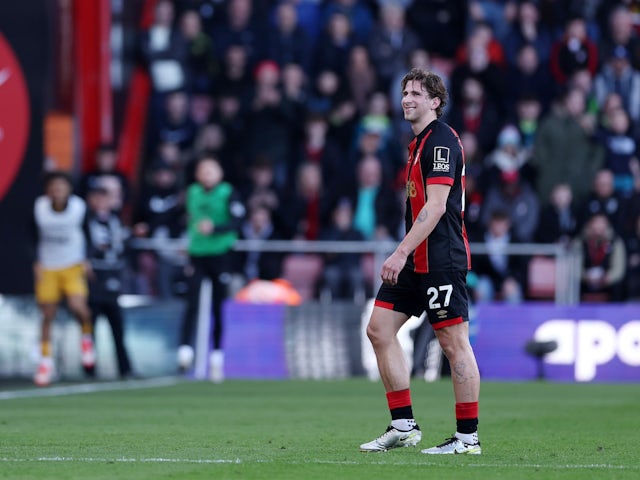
point(466, 410)
point(399, 399)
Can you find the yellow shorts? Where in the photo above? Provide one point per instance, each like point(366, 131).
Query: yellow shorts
point(53, 285)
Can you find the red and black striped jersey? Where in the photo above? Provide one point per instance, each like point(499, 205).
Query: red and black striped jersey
point(436, 157)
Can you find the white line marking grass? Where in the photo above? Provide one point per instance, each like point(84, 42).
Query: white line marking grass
point(305, 462)
point(84, 388)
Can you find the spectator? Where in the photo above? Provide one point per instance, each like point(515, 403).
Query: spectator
point(175, 125)
point(160, 217)
point(559, 217)
point(633, 262)
point(481, 36)
point(342, 276)
point(573, 51)
point(59, 268)
point(215, 216)
point(528, 111)
point(618, 76)
point(107, 174)
point(336, 41)
point(105, 252)
point(564, 150)
point(473, 112)
point(307, 205)
point(603, 199)
point(256, 264)
point(376, 207)
point(287, 42)
point(499, 14)
point(361, 77)
point(528, 76)
point(201, 64)
point(508, 156)
point(235, 79)
point(500, 276)
point(270, 121)
point(357, 13)
point(603, 258)
point(621, 150)
point(390, 43)
point(620, 31)
point(527, 29)
point(514, 196)
point(441, 25)
point(240, 28)
point(163, 50)
point(478, 64)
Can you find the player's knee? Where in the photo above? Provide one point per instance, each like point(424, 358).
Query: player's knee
point(375, 334)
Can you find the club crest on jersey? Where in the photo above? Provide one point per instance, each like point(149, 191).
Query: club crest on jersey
point(441, 159)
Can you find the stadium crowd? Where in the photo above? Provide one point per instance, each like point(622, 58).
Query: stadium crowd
point(300, 102)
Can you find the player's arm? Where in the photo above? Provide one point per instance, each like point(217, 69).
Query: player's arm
point(422, 227)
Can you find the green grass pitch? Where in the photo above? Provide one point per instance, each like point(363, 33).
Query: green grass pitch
point(311, 430)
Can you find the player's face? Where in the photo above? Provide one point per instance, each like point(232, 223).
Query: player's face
point(59, 190)
point(416, 103)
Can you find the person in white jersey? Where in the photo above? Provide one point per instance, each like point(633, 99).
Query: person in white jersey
point(60, 267)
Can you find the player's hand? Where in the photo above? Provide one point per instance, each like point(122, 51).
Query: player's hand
point(392, 267)
point(205, 226)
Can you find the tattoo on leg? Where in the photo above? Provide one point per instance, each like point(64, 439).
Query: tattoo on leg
point(459, 372)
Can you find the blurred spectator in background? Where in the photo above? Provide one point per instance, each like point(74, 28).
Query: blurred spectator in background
point(500, 276)
point(475, 61)
point(564, 150)
point(215, 215)
point(603, 258)
point(256, 264)
point(342, 275)
point(59, 268)
point(527, 76)
point(361, 77)
point(618, 76)
point(558, 218)
point(376, 207)
point(499, 14)
point(391, 42)
point(163, 50)
point(271, 119)
point(356, 12)
point(620, 150)
point(287, 42)
point(175, 125)
point(473, 112)
point(235, 79)
point(527, 29)
point(603, 198)
point(527, 115)
point(440, 24)
point(573, 51)
point(307, 204)
point(334, 45)
point(160, 216)
point(515, 196)
point(107, 175)
point(240, 28)
point(509, 156)
point(201, 63)
point(633, 262)
point(620, 31)
point(105, 251)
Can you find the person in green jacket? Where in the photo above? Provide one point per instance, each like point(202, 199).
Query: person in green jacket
point(215, 215)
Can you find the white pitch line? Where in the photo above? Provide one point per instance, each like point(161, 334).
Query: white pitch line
point(311, 461)
point(89, 388)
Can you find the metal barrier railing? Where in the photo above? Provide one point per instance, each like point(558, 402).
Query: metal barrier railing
point(567, 261)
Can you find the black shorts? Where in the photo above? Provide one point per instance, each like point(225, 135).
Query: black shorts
point(442, 294)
